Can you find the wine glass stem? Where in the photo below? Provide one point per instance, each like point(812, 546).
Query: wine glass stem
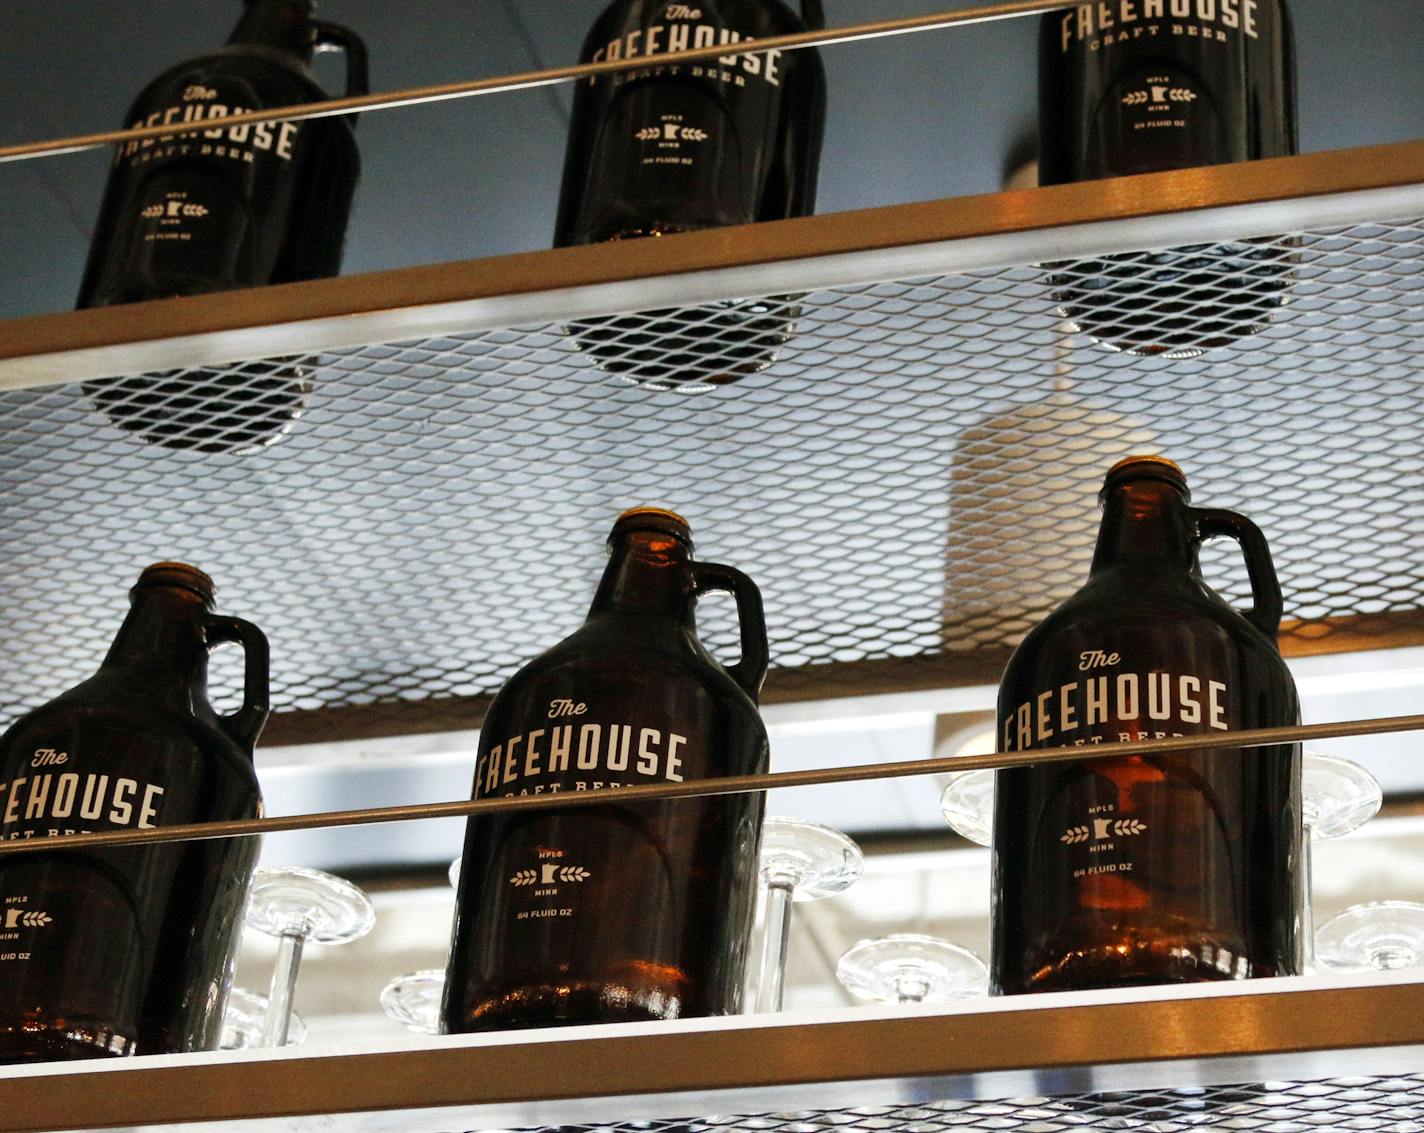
point(1307, 912)
point(911, 987)
point(774, 947)
point(284, 983)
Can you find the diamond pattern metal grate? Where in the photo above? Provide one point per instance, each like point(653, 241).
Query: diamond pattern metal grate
point(908, 469)
point(1365, 1105)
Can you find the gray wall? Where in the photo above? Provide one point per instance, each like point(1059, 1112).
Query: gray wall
point(911, 117)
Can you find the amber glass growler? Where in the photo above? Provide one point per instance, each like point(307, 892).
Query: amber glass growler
point(1127, 869)
point(677, 147)
point(617, 912)
point(129, 950)
point(1143, 86)
point(218, 205)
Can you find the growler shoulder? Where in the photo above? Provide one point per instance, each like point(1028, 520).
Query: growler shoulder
point(112, 731)
point(1106, 620)
point(593, 667)
point(579, 719)
point(264, 70)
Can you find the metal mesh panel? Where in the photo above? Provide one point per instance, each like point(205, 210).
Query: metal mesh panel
point(908, 469)
point(1367, 1105)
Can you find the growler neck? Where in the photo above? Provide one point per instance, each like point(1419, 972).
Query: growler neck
point(283, 25)
point(164, 635)
point(649, 574)
point(1146, 525)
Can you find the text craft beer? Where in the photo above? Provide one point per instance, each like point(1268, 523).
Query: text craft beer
point(660, 39)
point(253, 138)
point(1109, 21)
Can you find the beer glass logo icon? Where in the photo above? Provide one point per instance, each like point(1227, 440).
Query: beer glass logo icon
point(26, 918)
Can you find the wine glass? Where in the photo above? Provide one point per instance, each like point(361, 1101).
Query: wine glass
point(295, 905)
point(910, 968)
point(967, 803)
point(1337, 796)
point(242, 1022)
point(1379, 936)
point(800, 861)
point(413, 1000)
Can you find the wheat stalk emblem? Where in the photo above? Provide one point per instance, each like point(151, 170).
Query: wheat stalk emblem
point(525, 877)
point(1074, 835)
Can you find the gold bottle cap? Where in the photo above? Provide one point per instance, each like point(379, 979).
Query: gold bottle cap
point(1161, 461)
point(179, 574)
point(653, 519)
point(1147, 467)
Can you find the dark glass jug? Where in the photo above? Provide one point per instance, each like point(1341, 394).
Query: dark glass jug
point(1127, 869)
point(677, 147)
point(222, 206)
point(617, 912)
point(1142, 86)
point(129, 950)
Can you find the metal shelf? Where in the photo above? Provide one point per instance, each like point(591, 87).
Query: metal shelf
point(902, 479)
point(1279, 1055)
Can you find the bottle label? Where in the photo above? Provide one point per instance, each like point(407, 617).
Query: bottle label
point(1163, 83)
point(199, 103)
point(1117, 815)
point(684, 128)
point(680, 29)
point(1100, 25)
point(49, 802)
point(196, 212)
point(570, 752)
point(581, 757)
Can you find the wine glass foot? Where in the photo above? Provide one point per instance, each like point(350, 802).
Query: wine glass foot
point(967, 803)
point(242, 1022)
point(911, 968)
point(1337, 795)
point(811, 860)
point(310, 903)
point(1381, 936)
point(413, 1000)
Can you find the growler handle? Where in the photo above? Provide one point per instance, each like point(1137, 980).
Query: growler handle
point(244, 725)
point(334, 37)
point(813, 15)
point(1267, 605)
point(750, 670)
